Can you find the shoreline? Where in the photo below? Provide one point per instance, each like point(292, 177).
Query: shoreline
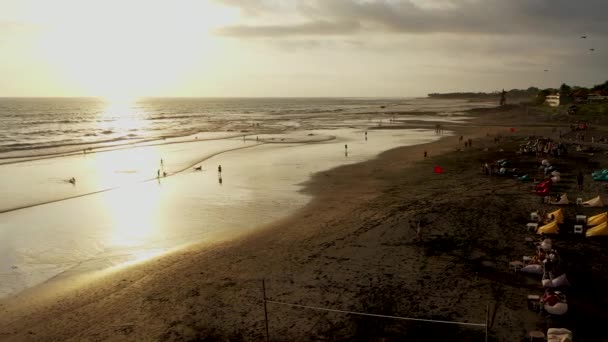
point(293, 250)
point(316, 186)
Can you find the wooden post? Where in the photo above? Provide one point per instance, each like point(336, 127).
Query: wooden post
point(487, 319)
point(265, 310)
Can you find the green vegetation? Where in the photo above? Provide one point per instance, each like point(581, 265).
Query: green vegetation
point(511, 94)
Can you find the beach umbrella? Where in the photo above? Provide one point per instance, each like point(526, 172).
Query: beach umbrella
point(438, 169)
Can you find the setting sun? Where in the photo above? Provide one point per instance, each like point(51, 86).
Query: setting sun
point(119, 50)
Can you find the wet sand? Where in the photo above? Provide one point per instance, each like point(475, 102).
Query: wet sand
point(350, 248)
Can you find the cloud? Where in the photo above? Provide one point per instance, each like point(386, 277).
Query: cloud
point(313, 28)
point(480, 17)
point(252, 7)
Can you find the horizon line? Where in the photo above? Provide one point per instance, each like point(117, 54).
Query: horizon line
point(217, 97)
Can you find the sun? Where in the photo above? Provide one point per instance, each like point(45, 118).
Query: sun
point(124, 49)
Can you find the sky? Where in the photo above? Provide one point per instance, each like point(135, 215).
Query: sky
point(121, 49)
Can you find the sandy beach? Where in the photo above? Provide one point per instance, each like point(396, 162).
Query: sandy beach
point(351, 248)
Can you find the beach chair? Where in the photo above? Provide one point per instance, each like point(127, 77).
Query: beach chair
point(595, 202)
point(532, 226)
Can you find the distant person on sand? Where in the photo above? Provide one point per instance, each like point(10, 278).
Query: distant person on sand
point(72, 180)
point(158, 173)
point(417, 226)
point(425, 154)
point(346, 147)
point(579, 180)
point(164, 174)
point(219, 169)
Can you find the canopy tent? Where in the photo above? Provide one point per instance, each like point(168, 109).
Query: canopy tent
point(599, 230)
point(594, 202)
point(563, 199)
point(557, 216)
point(597, 219)
point(550, 228)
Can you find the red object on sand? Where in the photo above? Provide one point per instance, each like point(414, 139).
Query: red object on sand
point(512, 129)
point(543, 188)
point(438, 169)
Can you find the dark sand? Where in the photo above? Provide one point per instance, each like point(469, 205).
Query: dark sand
point(352, 248)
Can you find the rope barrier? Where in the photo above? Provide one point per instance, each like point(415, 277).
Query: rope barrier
point(373, 315)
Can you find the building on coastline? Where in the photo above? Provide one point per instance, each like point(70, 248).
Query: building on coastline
point(579, 95)
point(596, 97)
point(552, 100)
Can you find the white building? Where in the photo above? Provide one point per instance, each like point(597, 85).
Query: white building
point(552, 100)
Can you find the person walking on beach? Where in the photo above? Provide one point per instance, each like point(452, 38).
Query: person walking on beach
point(219, 169)
point(158, 173)
point(425, 154)
point(417, 226)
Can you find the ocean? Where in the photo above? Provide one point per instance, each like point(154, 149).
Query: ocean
point(32, 126)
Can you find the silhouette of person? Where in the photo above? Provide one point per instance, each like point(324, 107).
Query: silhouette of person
point(219, 169)
point(158, 173)
point(220, 180)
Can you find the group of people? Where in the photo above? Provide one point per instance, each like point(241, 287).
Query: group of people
point(543, 147)
point(438, 129)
